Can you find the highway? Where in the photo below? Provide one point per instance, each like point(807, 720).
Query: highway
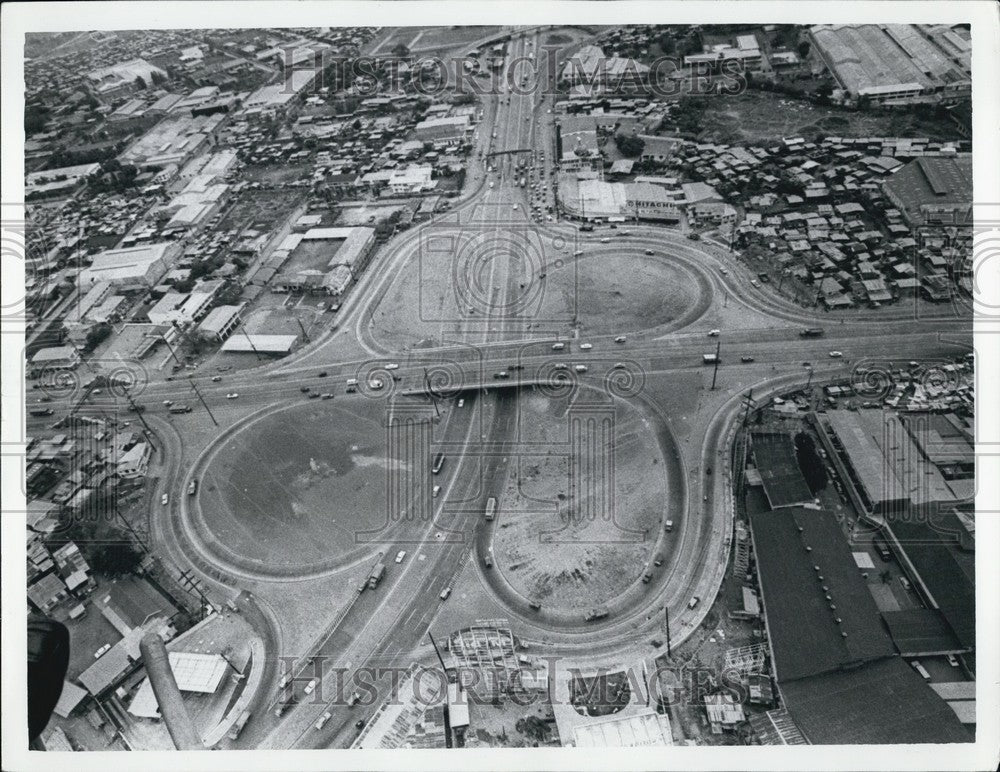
point(383, 626)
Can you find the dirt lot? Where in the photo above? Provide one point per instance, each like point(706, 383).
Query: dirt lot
point(760, 115)
point(569, 550)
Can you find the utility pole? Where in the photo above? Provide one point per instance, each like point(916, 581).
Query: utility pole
point(203, 402)
point(250, 341)
point(437, 651)
point(748, 402)
point(304, 333)
point(809, 382)
point(666, 621)
point(171, 350)
point(138, 413)
point(715, 372)
point(430, 394)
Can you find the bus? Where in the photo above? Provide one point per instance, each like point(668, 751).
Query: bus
point(491, 508)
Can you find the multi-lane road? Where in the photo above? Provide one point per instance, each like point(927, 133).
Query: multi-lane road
point(382, 627)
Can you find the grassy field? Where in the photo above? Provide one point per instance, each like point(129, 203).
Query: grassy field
point(760, 115)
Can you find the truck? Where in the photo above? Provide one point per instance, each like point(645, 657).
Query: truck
point(709, 359)
point(491, 508)
point(811, 332)
point(40, 411)
point(180, 408)
point(595, 614)
point(376, 575)
point(237, 727)
point(192, 487)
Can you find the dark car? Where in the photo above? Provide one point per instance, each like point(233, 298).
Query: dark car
point(359, 724)
point(322, 374)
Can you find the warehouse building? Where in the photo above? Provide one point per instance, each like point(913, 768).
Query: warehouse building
point(131, 268)
point(933, 190)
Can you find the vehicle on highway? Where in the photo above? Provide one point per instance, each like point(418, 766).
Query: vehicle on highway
point(746, 358)
point(488, 560)
point(436, 491)
point(605, 240)
point(713, 333)
point(375, 384)
point(232, 395)
point(216, 378)
point(836, 354)
point(586, 346)
point(491, 508)
point(619, 366)
point(192, 487)
point(586, 228)
point(723, 271)
point(326, 395)
point(445, 593)
point(400, 555)
point(811, 332)
point(952, 660)
point(179, 409)
point(321, 721)
point(503, 374)
point(322, 374)
point(709, 359)
point(905, 583)
point(595, 614)
point(580, 368)
point(313, 395)
point(304, 389)
point(620, 339)
point(165, 499)
point(102, 651)
point(437, 463)
point(694, 601)
point(38, 412)
point(167, 402)
point(376, 575)
point(578, 253)
point(668, 526)
point(658, 561)
point(754, 282)
point(354, 699)
point(560, 366)
point(392, 366)
point(535, 605)
point(649, 252)
point(237, 727)
point(558, 346)
point(694, 237)
point(359, 724)
point(915, 664)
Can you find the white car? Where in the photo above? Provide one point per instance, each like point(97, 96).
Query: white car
point(836, 354)
point(723, 271)
point(578, 253)
point(620, 339)
point(461, 402)
point(605, 240)
point(619, 366)
point(580, 368)
point(102, 651)
point(713, 333)
point(165, 499)
point(558, 346)
point(323, 719)
point(586, 346)
point(436, 491)
point(311, 686)
point(559, 366)
point(232, 395)
point(375, 384)
point(392, 366)
point(445, 593)
point(400, 555)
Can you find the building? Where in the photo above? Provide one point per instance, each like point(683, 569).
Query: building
point(578, 146)
point(589, 66)
point(658, 149)
point(897, 63)
point(774, 457)
point(55, 358)
point(933, 190)
point(221, 322)
point(448, 130)
point(132, 268)
point(275, 345)
point(640, 730)
point(122, 78)
point(59, 181)
point(175, 140)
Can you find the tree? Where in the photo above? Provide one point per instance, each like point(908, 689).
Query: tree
point(400, 51)
point(803, 49)
point(116, 559)
point(885, 575)
point(629, 145)
point(139, 82)
point(96, 335)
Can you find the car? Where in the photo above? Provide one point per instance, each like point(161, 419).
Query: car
point(619, 366)
point(745, 358)
point(322, 374)
point(605, 240)
point(461, 402)
point(311, 686)
point(354, 699)
point(952, 660)
point(560, 366)
point(694, 237)
point(558, 346)
point(713, 333)
point(586, 346)
point(694, 601)
point(836, 354)
point(515, 206)
point(445, 593)
point(905, 583)
point(232, 395)
point(327, 715)
point(723, 271)
point(375, 384)
point(488, 560)
point(313, 395)
point(392, 366)
point(754, 282)
point(165, 499)
point(658, 561)
point(102, 651)
point(326, 395)
point(435, 492)
point(807, 364)
point(578, 253)
point(304, 389)
point(216, 378)
point(580, 368)
point(647, 578)
point(620, 339)
point(359, 724)
point(649, 252)
point(168, 402)
point(400, 555)
point(503, 374)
